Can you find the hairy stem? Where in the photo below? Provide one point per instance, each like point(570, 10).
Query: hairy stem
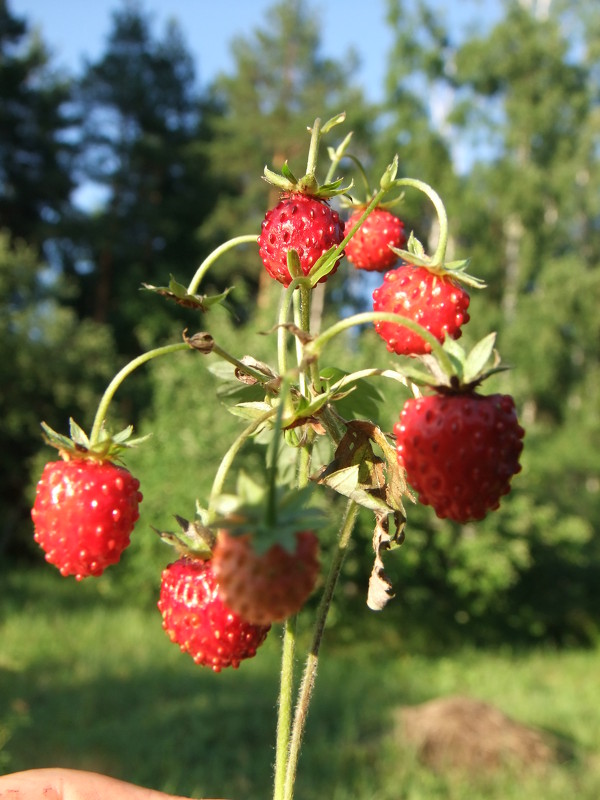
point(438, 256)
point(248, 238)
point(229, 457)
point(284, 706)
point(314, 348)
point(310, 669)
point(112, 387)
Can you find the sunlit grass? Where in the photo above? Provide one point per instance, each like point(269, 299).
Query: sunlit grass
point(89, 682)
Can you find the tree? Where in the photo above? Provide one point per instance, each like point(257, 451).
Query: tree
point(281, 82)
point(526, 210)
point(141, 145)
point(35, 178)
point(52, 367)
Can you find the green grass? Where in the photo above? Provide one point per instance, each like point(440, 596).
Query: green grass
point(89, 682)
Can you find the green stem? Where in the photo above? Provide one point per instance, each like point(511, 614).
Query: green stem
point(438, 256)
point(210, 259)
point(310, 670)
point(337, 157)
point(229, 458)
point(313, 150)
point(314, 348)
point(260, 377)
point(112, 387)
point(284, 712)
point(287, 296)
point(271, 509)
point(300, 313)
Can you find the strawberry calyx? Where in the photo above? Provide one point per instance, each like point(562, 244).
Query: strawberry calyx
point(461, 372)
point(250, 511)
point(455, 270)
point(106, 449)
point(194, 539)
point(308, 184)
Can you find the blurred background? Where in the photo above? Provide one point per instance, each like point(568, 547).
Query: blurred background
point(133, 136)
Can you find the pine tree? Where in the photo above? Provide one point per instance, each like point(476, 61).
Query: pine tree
point(35, 179)
point(141, 145)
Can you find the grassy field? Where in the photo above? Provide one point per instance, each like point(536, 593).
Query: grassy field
point(87, 682)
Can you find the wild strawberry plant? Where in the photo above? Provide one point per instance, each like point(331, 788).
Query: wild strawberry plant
point(250, 556)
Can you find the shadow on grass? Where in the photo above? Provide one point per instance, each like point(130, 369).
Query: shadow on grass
point(190, 732)
point(87, 684)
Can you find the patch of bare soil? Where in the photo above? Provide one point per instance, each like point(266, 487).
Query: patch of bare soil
point(466, 734)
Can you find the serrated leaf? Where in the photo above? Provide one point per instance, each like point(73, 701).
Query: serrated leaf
point(250, 410)
point(178, 292)
point(363, 401)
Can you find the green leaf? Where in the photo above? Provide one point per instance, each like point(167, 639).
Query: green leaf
point(364, 400)
point(178, 292)
point(250, 410)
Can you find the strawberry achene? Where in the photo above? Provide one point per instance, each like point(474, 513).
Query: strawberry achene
point(369, 248)
point(436, 302)
point(84, 513)
point(302, 223)
point(196, 618)
point(267, 587)
point(460, 451)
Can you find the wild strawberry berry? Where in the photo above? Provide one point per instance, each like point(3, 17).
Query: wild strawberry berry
point(267, 587)
point(369, 248)
point(302, 223)
point(460, 451)
point(196, 618)
point(83, 514)
point(436, 302)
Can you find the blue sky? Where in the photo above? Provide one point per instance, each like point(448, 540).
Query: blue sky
point(75, 28)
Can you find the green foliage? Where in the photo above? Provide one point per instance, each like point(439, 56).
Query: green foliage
point(69, 646)
point(184, 171)
point(52, 367)
point(35, 157)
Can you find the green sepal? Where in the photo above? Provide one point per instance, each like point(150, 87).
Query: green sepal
point(178, 292)
point(456, 270)
point(468, 369)
point(288, 174)
point(293, 264)
point(107, 448)
point(246, 513)
point(338, 119)
point(194, 539)
point(324, 264)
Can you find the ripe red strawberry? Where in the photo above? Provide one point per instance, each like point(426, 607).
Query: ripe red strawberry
point(302, 223)
point(196, 618)
point(83, 514)
point(438, 303)
point(268, 587)
point(460, 451)
point(368, 249)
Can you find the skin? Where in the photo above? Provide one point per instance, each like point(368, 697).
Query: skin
point(70, 784)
